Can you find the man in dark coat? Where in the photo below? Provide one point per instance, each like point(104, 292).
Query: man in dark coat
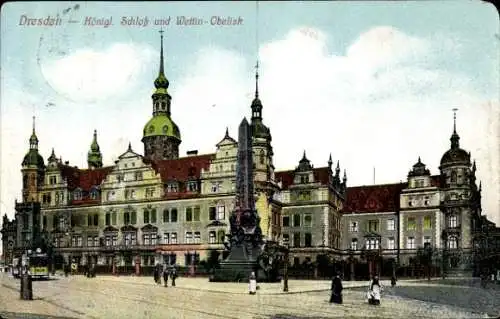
point(155, 274)
point(336, 296)
point(165, 276)
point(173, 275)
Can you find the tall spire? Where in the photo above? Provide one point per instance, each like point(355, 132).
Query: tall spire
point(330, 162)
point(161, 82)
point(256, 103)
point(257, 80)
point(161, 51)
point(454, 137)
point(33, 138)
point(455, 120)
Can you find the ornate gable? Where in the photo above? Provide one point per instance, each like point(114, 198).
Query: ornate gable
point(128, 228)
point(149, 229)
point(110, 229)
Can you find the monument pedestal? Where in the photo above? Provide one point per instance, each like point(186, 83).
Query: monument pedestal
point(238, 266)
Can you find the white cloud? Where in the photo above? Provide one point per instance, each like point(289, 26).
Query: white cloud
point(381, 104)
point(90, 75)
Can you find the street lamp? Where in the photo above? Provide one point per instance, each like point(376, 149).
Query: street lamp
point(285, 272)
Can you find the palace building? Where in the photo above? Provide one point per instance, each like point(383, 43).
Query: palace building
point(159, 207)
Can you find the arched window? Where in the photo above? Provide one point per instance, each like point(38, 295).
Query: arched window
point(25, 181)
point(163, 106)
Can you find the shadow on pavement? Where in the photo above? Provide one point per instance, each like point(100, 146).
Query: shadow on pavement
point(19, 315)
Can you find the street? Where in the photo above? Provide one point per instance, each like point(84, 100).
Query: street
point(139, 297)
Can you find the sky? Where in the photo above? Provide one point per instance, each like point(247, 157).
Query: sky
point(372, 83)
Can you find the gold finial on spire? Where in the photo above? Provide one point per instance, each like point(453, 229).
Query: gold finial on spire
point(33, 124)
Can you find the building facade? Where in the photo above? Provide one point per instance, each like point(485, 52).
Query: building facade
point(163, 208)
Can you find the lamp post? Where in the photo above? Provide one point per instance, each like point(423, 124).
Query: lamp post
point(428, 259)
point(285, 272)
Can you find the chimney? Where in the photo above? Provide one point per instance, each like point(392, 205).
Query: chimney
point(192, 153)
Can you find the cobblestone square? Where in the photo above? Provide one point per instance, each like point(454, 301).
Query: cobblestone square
point(139, 297)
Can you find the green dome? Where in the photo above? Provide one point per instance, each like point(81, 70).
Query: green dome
point(161, 125)
point(33, 159)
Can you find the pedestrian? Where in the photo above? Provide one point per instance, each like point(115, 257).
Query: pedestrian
point(393, 281)
point(374, 291)
point(155, 274)
point(165, 276)
point(336, 296)
point(159, 273)
point(252, 285)
point(173, 275)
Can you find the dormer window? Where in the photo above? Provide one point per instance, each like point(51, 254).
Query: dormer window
point(78, 194)
point(192, 186)
point(172, 187)
point(94, 193)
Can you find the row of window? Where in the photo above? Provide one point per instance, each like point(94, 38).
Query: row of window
point(130, 239)
point(374, 243)
point(137, 176)
point(192, 214)
point(296, 240)
point(372, 226)
point(296, 221)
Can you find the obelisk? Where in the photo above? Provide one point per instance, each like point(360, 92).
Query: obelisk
point(245, 236)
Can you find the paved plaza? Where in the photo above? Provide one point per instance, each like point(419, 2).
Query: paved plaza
point(139, 297)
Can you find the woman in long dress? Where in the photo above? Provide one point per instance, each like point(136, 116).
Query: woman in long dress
point(252, 285)
point(336, 296)
point(374, 291)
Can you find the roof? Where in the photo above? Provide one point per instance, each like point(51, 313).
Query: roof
point(373, 198)
point(84, 178)
point(184, 168)
point(321, 175)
